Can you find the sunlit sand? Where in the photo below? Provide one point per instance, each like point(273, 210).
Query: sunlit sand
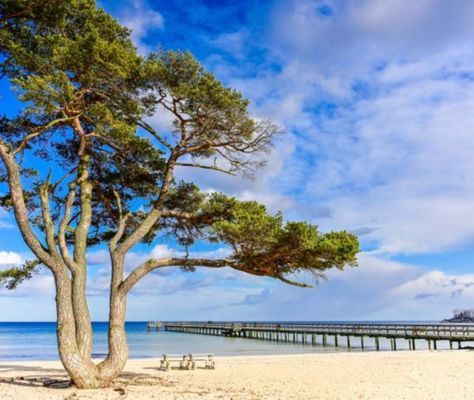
point(399, 375)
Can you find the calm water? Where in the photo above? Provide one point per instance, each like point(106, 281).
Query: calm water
point(37, 341)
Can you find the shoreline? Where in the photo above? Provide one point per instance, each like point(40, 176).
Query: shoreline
point(418, 375)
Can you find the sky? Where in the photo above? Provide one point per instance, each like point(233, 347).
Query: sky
point(376, 99)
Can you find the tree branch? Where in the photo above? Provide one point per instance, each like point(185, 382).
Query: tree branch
point(290, 282)
point(20, 210)
point(211, 167)
point(48, 222)
point(13, 15)
point(122, 224)
point(155, 134)
point(63, 226)
point(38, 132)
point(153, 264)
point(144, 227)
point(166, 213)
point(13, 276)
point(82, 229)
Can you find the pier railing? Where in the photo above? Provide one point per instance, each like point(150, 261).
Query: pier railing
point(438, 331)
point(308, 332)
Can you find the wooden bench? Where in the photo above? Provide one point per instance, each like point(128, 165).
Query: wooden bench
point(208, 359)
point(183, 360)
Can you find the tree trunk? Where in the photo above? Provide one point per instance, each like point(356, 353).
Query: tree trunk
point(111, 367)
point(80, 368)
point(81, 315)
point(75, 336)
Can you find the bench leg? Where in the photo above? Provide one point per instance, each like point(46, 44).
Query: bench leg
point(211, 365)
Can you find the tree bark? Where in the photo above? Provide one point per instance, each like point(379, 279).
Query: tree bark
point(80, 368)
point(117, 356)
point(79, 270)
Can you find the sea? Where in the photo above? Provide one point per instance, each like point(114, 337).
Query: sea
point(37, 341)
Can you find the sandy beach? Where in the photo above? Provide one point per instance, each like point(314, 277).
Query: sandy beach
point(344, 376)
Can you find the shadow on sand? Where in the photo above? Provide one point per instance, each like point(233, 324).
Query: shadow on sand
point(56, 378)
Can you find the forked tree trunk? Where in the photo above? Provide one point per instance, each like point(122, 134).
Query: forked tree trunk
point(84, 373)
point(74, 331)
point(80, 368)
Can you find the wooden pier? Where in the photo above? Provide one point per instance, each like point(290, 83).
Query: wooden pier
point(337, 334)
point(154, 325)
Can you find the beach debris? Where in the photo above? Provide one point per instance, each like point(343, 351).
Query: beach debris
point(120, 390)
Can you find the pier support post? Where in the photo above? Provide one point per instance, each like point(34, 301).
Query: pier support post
point(362, 342)
point(336, 341)
point(348, 342)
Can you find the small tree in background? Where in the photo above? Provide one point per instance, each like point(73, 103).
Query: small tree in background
point(82, 168)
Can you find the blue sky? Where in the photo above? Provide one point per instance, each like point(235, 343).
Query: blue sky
point(376, 99)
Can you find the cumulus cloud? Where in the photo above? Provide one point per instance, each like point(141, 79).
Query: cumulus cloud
point(8, 258)
point(376, 100)
point(379, 289)
point(39, 286)
point(142, 19)
point(252, 299)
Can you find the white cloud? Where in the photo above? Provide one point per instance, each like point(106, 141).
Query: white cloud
point(376, 290)
point(235, 43)
point(378, 102)
point(8, 258)
point(41, 285)
point(379, 289)
point(142, 20)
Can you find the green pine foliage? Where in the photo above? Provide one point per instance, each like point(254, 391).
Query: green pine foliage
point(71, 63)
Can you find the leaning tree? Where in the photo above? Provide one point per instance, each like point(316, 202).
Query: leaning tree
point(84, 167)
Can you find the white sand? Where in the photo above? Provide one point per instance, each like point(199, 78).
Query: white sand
point(442, 375)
